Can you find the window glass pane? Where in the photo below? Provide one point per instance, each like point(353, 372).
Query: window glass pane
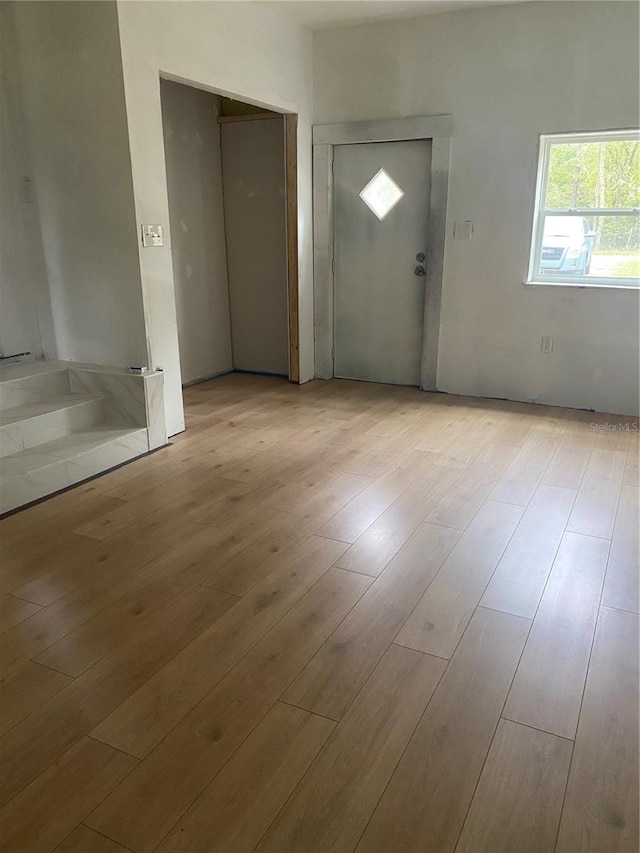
point(381, 194)
point(593, 174)
point(590, 247)
point(616, 249)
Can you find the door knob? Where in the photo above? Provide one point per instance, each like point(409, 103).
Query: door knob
point(420, 257)
point(419, 271)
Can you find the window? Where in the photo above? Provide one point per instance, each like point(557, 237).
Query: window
point(381, 194)
point(587, 219)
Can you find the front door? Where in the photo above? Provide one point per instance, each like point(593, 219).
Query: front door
point(381, 213)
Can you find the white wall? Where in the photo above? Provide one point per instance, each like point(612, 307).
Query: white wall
point(194, 183)
point(26, 324)
point(256, 225)
point(506, 74)
point(74, 105)
point(246, 50)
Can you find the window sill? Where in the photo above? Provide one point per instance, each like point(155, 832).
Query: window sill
point(583, 285)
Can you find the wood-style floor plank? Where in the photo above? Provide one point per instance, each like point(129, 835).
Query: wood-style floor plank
point(621, 586)
point(424, 806)
point(42, 557)
point(60, 514)
point(143, 810)
point(236, 809)
point(333, 678)
point(25, 689)
point(43, 813)
point(85, 840)
point(631, 475)
point(331, 806)
point(141, 722)
point(517, 803)
point(128, 517)
point(115, 569)
point(461, 503)
point(14, 610)
point(443, 613)
point(594, 511)
point(259, 550)
point(610, 433)
point(518, 582)
point(352, 521)
point(569, 462)
point(200, 624)
point(548, 686)
point(58, 579)
point(371, 552)
point(128, 616)
point(522, 477)
point(29, 747)
point(601, 804)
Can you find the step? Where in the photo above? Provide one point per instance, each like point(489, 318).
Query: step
point(31, 424)
point(34, 473)
point(19, 390)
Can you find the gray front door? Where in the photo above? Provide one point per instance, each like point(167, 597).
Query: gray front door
point(381, 213)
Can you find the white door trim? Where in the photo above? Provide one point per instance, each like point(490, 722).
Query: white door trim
point(439, 130)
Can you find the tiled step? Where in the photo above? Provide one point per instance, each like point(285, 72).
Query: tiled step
point(31, 424)
point(19, 390)
point(63, 422)
point(33, 473)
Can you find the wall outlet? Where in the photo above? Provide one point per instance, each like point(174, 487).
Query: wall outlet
point(546, 344)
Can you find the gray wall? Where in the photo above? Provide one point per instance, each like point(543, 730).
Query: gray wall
point(194, 184)
point(26, 324)
point(255, 216)
point(248, 51)
point(74, 105)
point(506, 74)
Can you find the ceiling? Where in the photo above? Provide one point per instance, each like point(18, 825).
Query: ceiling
point(328, 14)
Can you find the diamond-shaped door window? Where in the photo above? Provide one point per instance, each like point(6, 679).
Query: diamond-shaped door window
point(381, 194)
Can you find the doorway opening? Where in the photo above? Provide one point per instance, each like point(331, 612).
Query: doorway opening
point(232, 190)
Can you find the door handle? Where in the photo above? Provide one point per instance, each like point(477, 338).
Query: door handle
point(419, 271)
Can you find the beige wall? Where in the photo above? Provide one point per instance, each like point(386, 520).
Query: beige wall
point(194, 183)
point(506, 74)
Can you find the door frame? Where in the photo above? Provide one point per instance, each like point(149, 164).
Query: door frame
point(290, 131)
point(290, 120)
point(291, 193)
point(438, 129)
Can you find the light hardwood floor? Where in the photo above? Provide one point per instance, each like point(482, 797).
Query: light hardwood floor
point(331, 617)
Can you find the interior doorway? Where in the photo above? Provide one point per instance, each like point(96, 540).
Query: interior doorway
point(233, 222)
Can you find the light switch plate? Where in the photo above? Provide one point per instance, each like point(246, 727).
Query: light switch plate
point(463, 230)
point(152, 235)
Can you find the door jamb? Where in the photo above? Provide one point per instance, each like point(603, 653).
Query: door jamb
point(291, 191)
point(439, 130)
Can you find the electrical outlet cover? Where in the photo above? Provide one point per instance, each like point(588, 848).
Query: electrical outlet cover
point(546, 344)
